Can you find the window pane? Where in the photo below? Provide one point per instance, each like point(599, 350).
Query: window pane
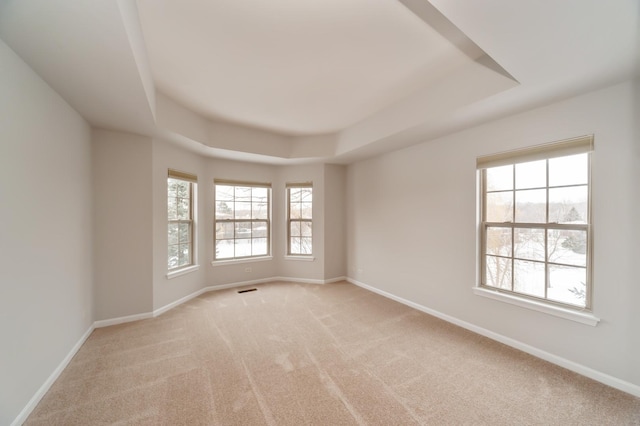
point(224, 210)
point(531, 175)
point(295, 194)
point(305, 229)
point(567, 285)
point(243, 193)
point(243, 210)
point(173, 256)
point(294, 229)
point(529, 243)
point(529, 278)
point(184, 205)
point(243, 230)
point(568, 205)
point(172, 187)
point(294, 211)
point(260, 195)
point(498, 272)
point(224, 249)
point(306, 194)
point(184, 232)
point(259, 230)
point(259, 246)
point(295, 245)
point(571, 170)
point(500, 207)
point(224, 230)
point(305, 245)
point(306, 210)
point(183, 189)
point(499, 178)
point(568, 247)
point(172, 208)
point(243, 247)
point(259, 211)
point(224, 193)
point(498, 241)
point(531, 206)
point(185, 255)
point(173, 233)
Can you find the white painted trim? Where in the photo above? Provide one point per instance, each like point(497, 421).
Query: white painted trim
point(303, 258)
point(183, 271)
point(558, 311)
point(31, 405)
point(121, 320)
point(554, 359)
point(238, 261)
point(335, 280)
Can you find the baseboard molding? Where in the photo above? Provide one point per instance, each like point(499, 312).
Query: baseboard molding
point(121, 320)
point(596, 375)
point(31, 405)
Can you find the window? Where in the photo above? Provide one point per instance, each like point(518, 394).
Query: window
point(242, 219)
point(299, 219)
point(535, 223)
point(180, 209)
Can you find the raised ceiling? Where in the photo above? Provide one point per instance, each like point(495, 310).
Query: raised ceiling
point(295, 67)
point(317, 80)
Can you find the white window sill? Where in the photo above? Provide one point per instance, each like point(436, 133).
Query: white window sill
point(558, 311)
point(304, 258)
point(183, 271)
point(238, 261)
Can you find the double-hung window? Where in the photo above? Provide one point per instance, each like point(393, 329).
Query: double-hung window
point(180, 211)
point(242, 219)
point(535, 236)
point(299, 219)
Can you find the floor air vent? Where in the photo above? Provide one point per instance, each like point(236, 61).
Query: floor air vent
point(247, 290)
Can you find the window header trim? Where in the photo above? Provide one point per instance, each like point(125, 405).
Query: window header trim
point(578, 145)
point(300, 185)
point(241, 183)
point(176, 174)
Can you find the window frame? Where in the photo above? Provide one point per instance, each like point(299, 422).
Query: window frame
point(289, 187)
point(192, 180)
point(580, 145)
point(246, 184)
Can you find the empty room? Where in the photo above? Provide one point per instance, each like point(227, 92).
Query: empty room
point(281, 212)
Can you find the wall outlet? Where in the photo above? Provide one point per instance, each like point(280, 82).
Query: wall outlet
point(247, 269)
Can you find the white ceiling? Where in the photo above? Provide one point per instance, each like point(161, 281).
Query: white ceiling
point(317, 80)
point(296, 67)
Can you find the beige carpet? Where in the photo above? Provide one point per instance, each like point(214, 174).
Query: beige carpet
point(296, 354)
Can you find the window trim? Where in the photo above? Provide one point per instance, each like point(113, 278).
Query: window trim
point(193, 185)
point(297, 256)
point(579, 145)
point(242, 259)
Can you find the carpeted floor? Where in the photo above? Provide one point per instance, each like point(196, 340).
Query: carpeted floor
point(296, 354)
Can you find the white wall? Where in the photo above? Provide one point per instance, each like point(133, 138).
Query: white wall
point(122, 193)
point(411, 221)
point(335, 244)
point(45, 232)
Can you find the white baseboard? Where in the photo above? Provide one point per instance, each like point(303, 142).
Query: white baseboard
point(26, 411)
point(121, 320)
point(596, 375)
